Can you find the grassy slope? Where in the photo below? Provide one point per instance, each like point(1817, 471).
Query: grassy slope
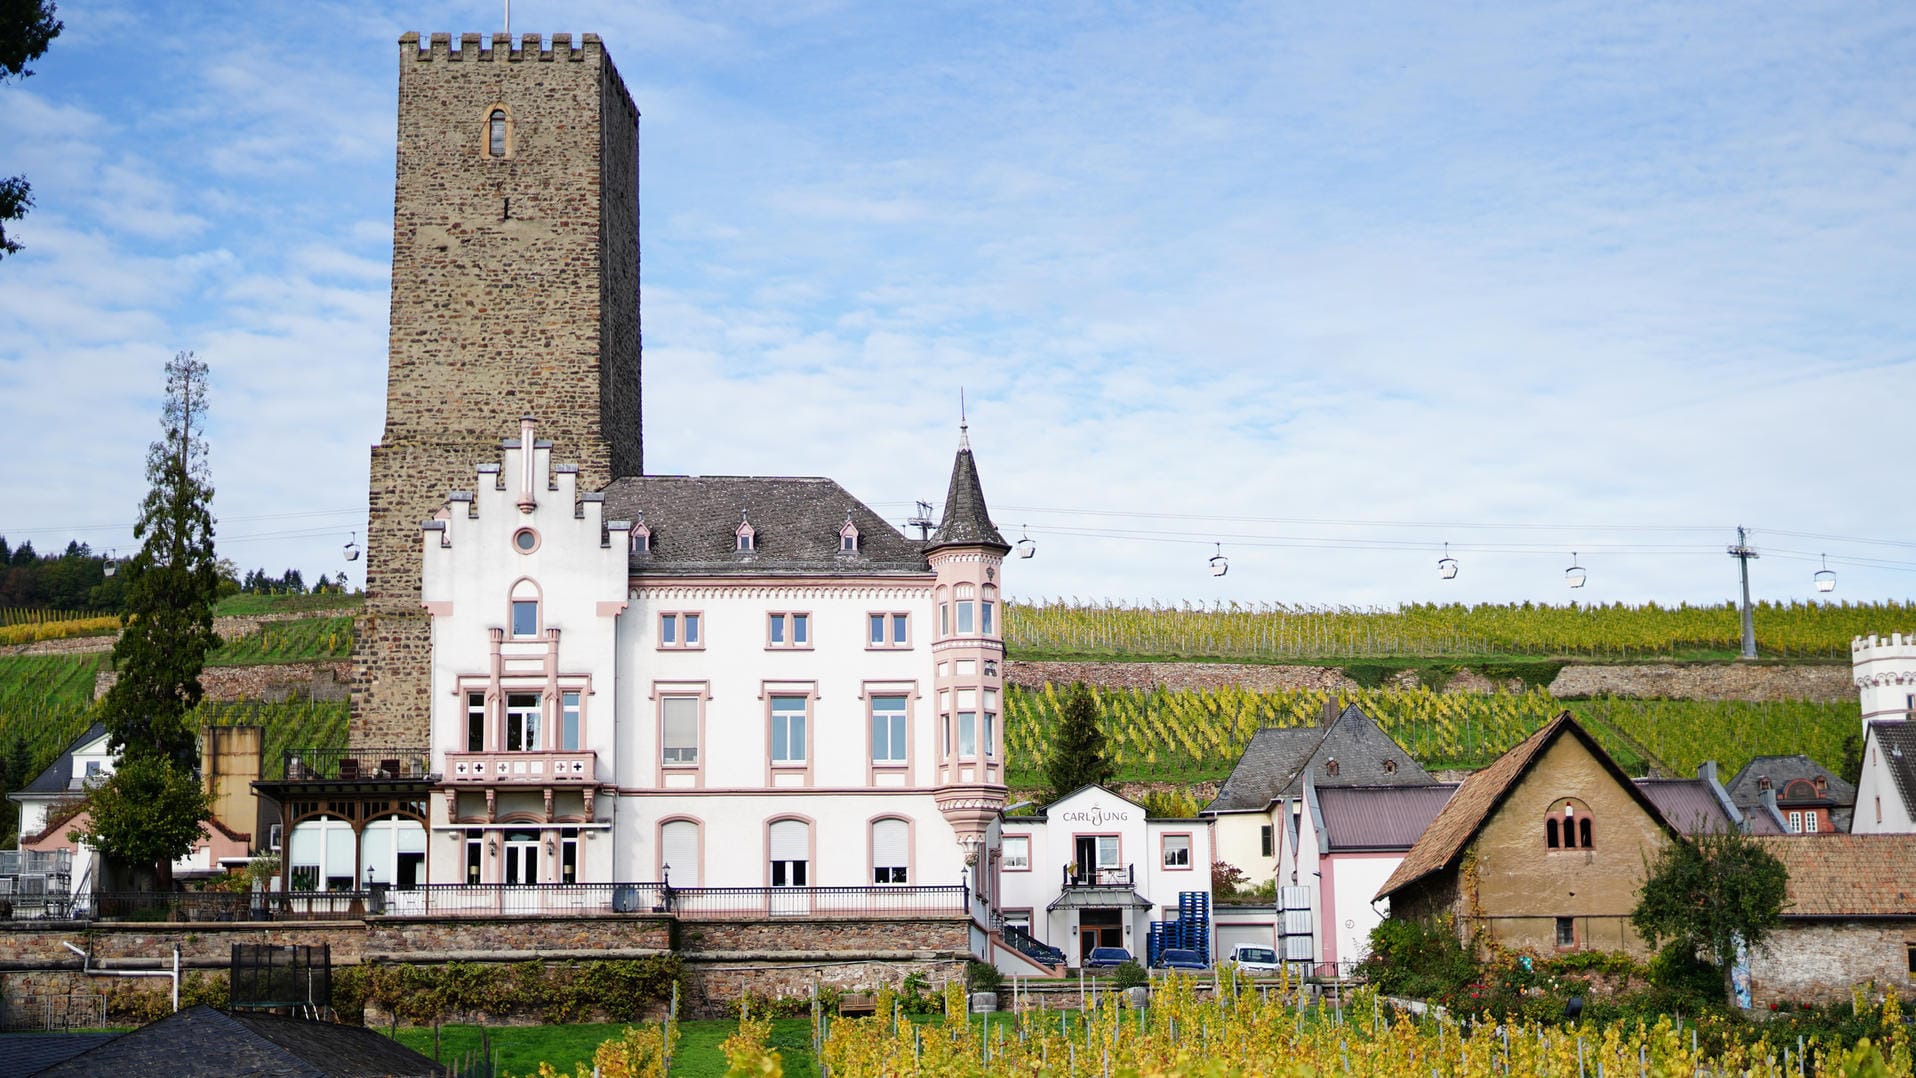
point(521, 1049)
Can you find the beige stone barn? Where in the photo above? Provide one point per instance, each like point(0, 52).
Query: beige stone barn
point(1849, 917)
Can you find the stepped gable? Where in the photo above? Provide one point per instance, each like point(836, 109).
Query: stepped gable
point(1847, 875)
point(967, 522)
point(1474, 802)
point(1896, 738)
point(1277, 761)
point(693, 521)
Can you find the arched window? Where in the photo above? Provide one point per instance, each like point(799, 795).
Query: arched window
point(322, 855)
point(525, 610)
point(496, 133)
point(1568, 826)
point(891, 850)
point(679, 852)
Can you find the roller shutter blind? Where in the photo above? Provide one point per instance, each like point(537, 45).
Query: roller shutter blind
point(680, 848)
point(891, 849)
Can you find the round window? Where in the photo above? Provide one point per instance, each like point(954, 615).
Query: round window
point(526, 540)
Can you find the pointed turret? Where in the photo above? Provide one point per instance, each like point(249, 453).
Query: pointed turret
point(967, 522)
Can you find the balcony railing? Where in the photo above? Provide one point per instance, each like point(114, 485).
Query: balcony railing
point(1087, 876)
point(897, 900)
point(36, 862)
point(567, 765)
point(1030, 945)
point(355, 765)
point(518, 900)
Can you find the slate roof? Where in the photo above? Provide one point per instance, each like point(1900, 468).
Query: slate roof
point(1689, 805)
point(1274, 764)
point(1482, 792)
point(31, 1053)
point(967, 522)
point(58, 777)
point(1896, 740)
point(1746, 787)
point(693, 520)
point(1848, 875)
point(1378, 818)
point(201, 1041)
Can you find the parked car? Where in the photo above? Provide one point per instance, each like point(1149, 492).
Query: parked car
point(1180, 958)
point(1106, 957)
point(1254, 960)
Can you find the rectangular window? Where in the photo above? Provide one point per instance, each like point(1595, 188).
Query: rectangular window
point(1264, 841)
point(967, 734)
point(525, 618)
point(788, 631)
point(522, 722)
point(944, 619)
point(569, 855)
point(984, 617)
point(475, 854)
point(679, 717)
point(788, 730)
point(1017, 853)
point(569, 721)
point(668, 630)
point(679, 630)
point(1177, 851)
point(1566, 932)
point(1107, 851)
point(1796, 823)
point(964, 618)
point(1911, 948)
point(1810, 823)
point(475, 722)
point(991, 727)
point(888, 730)
point(887, 631)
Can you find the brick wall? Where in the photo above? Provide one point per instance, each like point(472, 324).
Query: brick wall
point(514, 292)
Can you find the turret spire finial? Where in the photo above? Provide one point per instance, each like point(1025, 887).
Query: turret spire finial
point(964, 425)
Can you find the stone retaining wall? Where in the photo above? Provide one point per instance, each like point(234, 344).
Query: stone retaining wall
point(329, 679)
point(1819, 961)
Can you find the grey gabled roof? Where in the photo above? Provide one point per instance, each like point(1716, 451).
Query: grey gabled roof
point(58, 777)
point(1378, 818)
point(1689, 805)
point(967, 522)
point(204, 1041)
point(1747, 788)
point(1896, 740)
point(1275, 762)
point(694, 520)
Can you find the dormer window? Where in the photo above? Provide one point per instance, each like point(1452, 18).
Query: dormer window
point(641, 539)
point(745, 534)
point(848, 536)
point(1330, 766)
point(1390, 767)
point(496, 133)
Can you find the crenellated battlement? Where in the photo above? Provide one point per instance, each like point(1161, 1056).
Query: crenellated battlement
point(480, 47)
point(1873, 648)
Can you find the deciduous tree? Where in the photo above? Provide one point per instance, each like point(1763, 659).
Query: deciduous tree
point(147, 814)
point(1712, 893)
point(27, 27)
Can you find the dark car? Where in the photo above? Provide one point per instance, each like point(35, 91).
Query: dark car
point(1180, 958)
point(1106, 957)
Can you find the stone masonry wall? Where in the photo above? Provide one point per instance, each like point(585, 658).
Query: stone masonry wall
point(514, 292)
point(1819, 961)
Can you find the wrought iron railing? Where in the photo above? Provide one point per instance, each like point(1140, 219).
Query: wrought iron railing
point(1029, 945)
point(220, 906)
point(355, 765)
point(1086, 876)
point(518, 900)
point(897, 900)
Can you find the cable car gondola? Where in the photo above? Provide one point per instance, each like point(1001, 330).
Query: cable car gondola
point(110, 564)
point(1026, 548)
point(1447, 565)
point(1825, 577)
point(1219, 563)
point(1574, 576)
point(352, 548)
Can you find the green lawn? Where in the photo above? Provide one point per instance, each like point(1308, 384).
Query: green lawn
point(520, 1049)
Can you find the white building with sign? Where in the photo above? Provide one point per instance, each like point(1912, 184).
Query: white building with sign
point(1091, 870)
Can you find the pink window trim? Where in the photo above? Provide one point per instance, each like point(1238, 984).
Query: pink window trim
point(871, 849)
point(1190, 851)
point(1027, 841)
point(808, 690)
point(658, 845)
point(811, 846)
point(811, 630)
point(889, 644)
point(658, 627)
point(700, 691)
point(908, 690)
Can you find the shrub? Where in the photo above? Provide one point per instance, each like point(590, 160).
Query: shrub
point(1420, 958)
point(983, 977)
point(1129, 975)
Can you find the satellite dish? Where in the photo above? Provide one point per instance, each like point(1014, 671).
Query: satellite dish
point(1447, 565)
point(1825, 577)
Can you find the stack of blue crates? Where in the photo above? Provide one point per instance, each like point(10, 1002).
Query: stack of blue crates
point(1191, 931)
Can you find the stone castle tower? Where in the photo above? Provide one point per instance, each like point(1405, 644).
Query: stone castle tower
point(515, 291)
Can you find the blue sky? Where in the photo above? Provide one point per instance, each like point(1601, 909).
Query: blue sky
point(1330, 287)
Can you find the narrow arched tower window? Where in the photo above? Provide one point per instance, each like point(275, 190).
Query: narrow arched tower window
point(496, 133)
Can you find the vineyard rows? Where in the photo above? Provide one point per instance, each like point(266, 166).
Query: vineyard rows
point(304, 640)
point(1278, 631)
point(1197, 735)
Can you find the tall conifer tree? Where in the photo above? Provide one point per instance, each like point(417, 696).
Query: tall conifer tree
point(171, 585)
point(1077, 753)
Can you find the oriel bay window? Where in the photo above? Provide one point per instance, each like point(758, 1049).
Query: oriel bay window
point(967, 619)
